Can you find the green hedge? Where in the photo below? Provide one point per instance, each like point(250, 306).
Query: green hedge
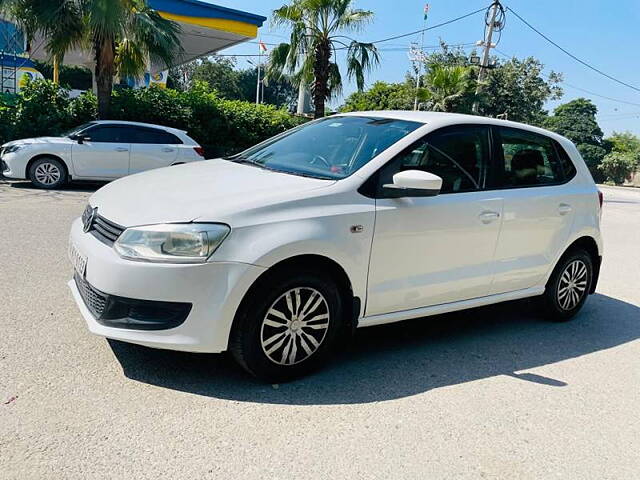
point(221, 126)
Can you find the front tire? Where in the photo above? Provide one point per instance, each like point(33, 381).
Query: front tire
point(288, 326)
point(47, 172)
point(568, 286)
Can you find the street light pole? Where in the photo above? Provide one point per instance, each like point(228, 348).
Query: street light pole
point(258, 81)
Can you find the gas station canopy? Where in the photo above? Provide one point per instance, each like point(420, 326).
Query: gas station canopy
point(205, 29)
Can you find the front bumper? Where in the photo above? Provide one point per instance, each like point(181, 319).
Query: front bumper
point(13, 165)
point(214, 291)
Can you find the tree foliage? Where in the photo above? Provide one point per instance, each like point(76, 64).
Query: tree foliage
point(221, 75)
point(122, 35)
point(576, 120)
point(515, 89)
point(617, 166)
point(381, 96)
point(625, 142)
point(317, 28)
point(447, 88)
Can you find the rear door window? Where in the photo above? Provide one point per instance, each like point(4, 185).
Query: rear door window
point(527, 159)
point(155, 136)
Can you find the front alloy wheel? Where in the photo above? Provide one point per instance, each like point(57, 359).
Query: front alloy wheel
point(295, 326)
point(47, 173)
point(287, 324)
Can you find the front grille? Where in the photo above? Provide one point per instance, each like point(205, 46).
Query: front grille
point(131, 313)
point(105, 230)
point(95, 300)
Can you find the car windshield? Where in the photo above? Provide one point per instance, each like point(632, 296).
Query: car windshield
point(76, 130)
point(331, 148)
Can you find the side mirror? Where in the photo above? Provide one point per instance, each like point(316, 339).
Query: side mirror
point(413, 183)
point(82, 138)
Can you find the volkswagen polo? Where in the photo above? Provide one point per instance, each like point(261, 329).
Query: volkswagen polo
point(348, 221)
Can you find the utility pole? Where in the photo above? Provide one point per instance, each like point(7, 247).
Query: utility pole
point(487, 49)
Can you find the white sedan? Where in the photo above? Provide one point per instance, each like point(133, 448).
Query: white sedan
point(101, 150)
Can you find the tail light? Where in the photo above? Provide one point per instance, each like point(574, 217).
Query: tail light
point(199, 151)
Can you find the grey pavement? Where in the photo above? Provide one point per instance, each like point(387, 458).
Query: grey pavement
point(491, 393)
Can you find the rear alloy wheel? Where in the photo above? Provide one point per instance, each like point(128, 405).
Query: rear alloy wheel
point(47, 173)
point(287, 326)
point(569, 286)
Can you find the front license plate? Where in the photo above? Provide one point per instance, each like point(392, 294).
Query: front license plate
point(78, 260)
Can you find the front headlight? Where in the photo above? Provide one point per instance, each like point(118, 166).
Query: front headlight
point(171, 243)
point(12, 148)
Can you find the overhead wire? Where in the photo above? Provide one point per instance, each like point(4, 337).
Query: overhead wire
point(586, 64)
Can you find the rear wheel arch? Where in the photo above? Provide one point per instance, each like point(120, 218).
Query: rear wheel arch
point(589, 245)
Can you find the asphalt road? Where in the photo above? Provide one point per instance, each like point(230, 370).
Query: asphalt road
point(491, 393)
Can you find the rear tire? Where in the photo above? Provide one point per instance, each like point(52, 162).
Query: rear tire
point(568, 287)
point(48, 172)
point(288, 326)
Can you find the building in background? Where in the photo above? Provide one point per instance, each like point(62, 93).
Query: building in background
point(15, 65)
point(205, 30)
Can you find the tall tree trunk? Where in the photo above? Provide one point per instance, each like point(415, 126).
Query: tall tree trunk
point(321, 77)
point(105, 68)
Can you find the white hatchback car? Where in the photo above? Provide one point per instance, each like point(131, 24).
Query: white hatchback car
point(349, 221)
point(101, 150)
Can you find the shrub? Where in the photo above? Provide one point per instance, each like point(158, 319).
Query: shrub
point(221, 126)
point(617, 167)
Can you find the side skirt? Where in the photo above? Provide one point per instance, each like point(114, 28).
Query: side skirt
point(448, 307)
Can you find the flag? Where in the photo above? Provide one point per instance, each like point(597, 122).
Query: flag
point(426, 11)
point(263, 47)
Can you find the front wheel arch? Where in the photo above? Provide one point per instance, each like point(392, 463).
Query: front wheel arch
point(47, 155)
point(352, 303)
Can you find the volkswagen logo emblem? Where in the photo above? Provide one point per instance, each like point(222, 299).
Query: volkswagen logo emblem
point(88, 217)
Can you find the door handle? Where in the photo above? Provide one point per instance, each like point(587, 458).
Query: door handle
point(489, 216)
point(564, 208)
point(122, 149)
point(167, 149)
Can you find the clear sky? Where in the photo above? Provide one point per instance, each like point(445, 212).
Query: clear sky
point(606, 34)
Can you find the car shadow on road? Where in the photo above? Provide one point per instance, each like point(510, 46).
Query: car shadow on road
point(407, 358)
point(83, 187)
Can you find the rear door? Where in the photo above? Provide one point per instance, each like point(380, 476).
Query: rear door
point(539, 207)
point(153, 148)
point(103, 154)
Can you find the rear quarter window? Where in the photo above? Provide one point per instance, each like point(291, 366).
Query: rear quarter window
point(568, 167)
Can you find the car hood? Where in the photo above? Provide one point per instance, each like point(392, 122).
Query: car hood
point(211, 190)
point(38, 140)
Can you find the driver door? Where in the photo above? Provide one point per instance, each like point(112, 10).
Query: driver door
point(104, 152)
point(433, 250)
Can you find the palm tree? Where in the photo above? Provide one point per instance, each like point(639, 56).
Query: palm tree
point(315, 37)
point(444, 86)
point(123, 35)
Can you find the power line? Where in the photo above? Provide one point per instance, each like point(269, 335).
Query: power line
point(572, 55)
point(579, 88)
point(430, 28)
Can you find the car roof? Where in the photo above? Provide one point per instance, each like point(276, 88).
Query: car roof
point(138, 124)
point(442, 119)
